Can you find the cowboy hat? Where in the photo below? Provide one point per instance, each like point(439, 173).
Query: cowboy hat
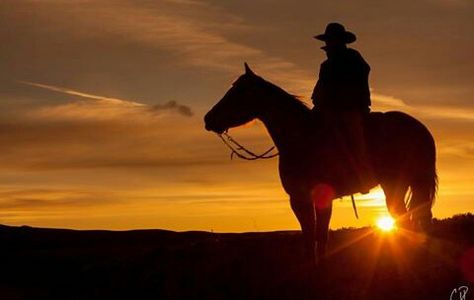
point(336, 31)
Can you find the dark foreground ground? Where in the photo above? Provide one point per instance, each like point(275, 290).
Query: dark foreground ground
point(157, 264)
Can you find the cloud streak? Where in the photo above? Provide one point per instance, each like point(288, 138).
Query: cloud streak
point(68, 91)
point(112, 106)
point(384, 103)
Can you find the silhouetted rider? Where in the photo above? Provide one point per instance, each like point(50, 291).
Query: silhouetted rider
point(342, 93)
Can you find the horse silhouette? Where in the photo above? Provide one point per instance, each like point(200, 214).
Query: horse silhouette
point(313, 162)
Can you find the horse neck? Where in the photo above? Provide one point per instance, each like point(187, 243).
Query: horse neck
point(286, 122)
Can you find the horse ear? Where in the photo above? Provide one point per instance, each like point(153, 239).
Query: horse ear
point(248, 71)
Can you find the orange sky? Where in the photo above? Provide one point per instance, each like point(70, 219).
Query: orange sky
point(102, 105)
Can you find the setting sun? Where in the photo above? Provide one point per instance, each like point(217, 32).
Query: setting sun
point(386, 224)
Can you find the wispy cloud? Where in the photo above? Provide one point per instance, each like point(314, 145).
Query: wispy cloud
point(68, 91)
point(384, 103)
point(46, 198)
point(172, 105)
point(197, 34)
point(189, 29)
point(104, 107)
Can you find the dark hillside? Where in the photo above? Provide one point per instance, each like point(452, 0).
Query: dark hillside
point(158, 264)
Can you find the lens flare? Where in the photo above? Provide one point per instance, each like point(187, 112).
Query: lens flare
point(386, 224)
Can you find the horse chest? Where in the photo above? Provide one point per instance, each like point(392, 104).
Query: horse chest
point(294, 174)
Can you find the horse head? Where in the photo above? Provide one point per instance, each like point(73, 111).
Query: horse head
point(238, 106)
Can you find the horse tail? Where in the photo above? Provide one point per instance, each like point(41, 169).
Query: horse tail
point(429, 185)
point(424, 186)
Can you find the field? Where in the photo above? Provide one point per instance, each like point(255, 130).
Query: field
point(363, 263)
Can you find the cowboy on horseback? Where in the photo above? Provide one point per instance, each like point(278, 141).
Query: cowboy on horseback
point(314, 172)
point(342, 96)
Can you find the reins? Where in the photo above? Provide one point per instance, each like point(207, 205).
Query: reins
point(242, 152)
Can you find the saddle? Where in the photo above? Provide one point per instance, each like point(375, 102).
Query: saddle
point(345, 150)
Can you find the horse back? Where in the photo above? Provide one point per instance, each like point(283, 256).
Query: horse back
point(397, 142)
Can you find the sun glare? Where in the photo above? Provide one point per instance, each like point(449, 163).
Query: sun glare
point(386, 224)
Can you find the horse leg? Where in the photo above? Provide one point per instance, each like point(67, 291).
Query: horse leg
point(323, 216)
point(322, 195)
point(303, 208)
point(420, 206)
point(395, 199)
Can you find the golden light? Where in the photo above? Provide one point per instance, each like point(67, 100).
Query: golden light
point(386, 224)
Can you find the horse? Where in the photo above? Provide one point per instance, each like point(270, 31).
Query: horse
point(401, 151)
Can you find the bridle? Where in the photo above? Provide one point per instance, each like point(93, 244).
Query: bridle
point(242, 152)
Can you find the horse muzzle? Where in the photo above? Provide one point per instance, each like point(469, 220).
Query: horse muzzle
point(210, 125)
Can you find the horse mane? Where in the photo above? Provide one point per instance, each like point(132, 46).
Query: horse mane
point(286, 98)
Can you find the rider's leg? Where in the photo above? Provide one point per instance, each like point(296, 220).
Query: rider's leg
point(353, 127)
